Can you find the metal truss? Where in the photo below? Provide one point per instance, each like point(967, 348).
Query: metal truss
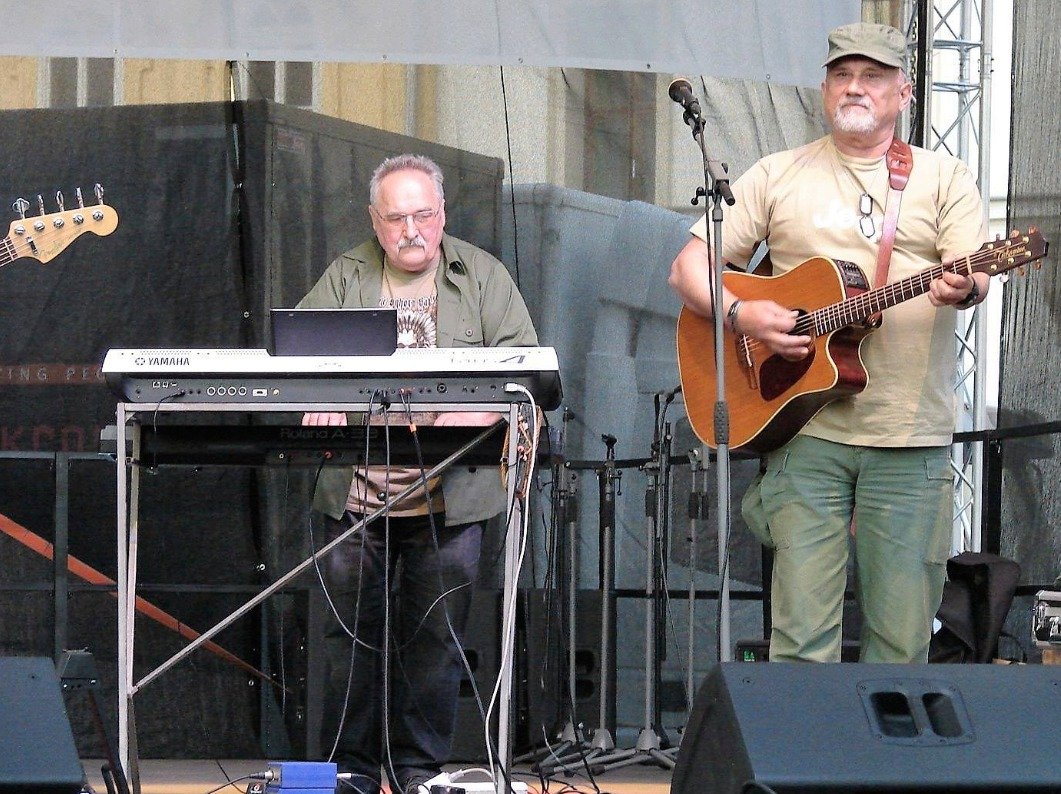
point(950, 43)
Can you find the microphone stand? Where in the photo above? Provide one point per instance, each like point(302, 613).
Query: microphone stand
point(697, 512)
point(609, 478)
point(649, 748)
point(716, 190)
point(571, 741)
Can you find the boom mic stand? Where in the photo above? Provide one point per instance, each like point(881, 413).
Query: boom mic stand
point(716, 189)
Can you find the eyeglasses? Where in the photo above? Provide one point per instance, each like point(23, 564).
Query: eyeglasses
point(865, 223)
point(419, 218)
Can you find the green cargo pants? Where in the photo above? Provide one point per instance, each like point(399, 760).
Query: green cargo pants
point(802, 506)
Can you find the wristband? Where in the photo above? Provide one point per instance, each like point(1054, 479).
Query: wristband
point(971, 298)
point(731, 315)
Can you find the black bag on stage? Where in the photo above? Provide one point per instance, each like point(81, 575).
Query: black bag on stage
point(976, 599)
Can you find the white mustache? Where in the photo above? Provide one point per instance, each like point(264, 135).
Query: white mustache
point(854, 105)
point(417, 241)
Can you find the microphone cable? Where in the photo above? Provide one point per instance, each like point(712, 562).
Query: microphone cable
point(511, 178)
point(483, 711)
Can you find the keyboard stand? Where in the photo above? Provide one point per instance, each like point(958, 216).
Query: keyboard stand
point(127, 454)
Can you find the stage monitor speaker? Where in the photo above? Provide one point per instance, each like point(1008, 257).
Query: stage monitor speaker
point(872, 728)
point(37, 753)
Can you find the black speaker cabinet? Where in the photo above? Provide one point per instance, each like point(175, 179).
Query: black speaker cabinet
point(482, 650)
point(37, 753)
point(544, 674)
point(872, 728)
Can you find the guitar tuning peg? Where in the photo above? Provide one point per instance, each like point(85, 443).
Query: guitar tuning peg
point(59, 201)
point(98, 190)
point(20, 205)
point(80, 199)
point(40, 202)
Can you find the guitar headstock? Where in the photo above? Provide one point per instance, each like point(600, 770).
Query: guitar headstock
point(45, 236)
point(1015, 251)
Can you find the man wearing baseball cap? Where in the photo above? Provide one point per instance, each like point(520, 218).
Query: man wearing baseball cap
point(868, 472)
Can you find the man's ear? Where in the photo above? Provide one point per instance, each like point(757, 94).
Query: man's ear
point(906, 94)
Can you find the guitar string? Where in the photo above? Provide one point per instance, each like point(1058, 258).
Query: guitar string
point(875, 300)
point(844, 312)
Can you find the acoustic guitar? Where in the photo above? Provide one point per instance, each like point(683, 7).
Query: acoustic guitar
point(771, 399)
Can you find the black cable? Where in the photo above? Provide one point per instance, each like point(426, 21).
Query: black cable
point(754, 785)
point(239, 225)
point(350, 632)
point(386, 594)
point(230, 781)
point(407, 407)
point(250, 78)
point(511, 178)
point(357, 789)
point(549, 587)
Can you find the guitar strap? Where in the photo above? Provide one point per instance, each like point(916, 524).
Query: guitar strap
point(900, 162)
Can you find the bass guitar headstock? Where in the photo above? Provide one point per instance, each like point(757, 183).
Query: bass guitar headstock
point(46, 235)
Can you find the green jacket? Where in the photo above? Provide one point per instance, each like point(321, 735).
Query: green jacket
point(478, 306)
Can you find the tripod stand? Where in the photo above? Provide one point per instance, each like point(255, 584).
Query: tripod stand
point(649, 748)
point(609, 475)
point(564, 520)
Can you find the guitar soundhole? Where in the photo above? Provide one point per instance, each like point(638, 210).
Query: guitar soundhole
point(777, 375)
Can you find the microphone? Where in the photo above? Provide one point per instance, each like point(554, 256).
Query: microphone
point(681, 91)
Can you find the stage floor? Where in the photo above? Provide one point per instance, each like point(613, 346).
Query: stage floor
point(201, 777)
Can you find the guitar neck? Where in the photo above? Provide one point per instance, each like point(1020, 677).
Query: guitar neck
point(992, 258)
point(857, 309)
point(8, 251)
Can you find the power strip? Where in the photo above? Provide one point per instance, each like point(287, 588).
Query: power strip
point(486, 787)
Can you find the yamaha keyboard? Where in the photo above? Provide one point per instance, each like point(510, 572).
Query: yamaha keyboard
point(421, 375)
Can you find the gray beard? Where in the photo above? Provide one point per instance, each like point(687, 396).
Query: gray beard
point(848, 119)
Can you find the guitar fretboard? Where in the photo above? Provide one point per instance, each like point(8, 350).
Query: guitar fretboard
point(9, 253)
point(994, 258)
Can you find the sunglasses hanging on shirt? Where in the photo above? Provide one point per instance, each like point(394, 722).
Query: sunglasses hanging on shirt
point(865, 223)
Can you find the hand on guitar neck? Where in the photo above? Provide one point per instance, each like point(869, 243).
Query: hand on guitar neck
point(954, 289)
point(772, 324)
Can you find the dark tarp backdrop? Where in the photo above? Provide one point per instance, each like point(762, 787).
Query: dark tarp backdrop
point(1031, 364)
point(194, 262)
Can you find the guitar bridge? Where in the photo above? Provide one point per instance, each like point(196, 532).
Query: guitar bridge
point(744, 358)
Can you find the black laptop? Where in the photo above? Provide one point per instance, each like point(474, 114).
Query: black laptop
point(333, 332)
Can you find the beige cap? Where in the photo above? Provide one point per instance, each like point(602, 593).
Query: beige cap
point(881, 43)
